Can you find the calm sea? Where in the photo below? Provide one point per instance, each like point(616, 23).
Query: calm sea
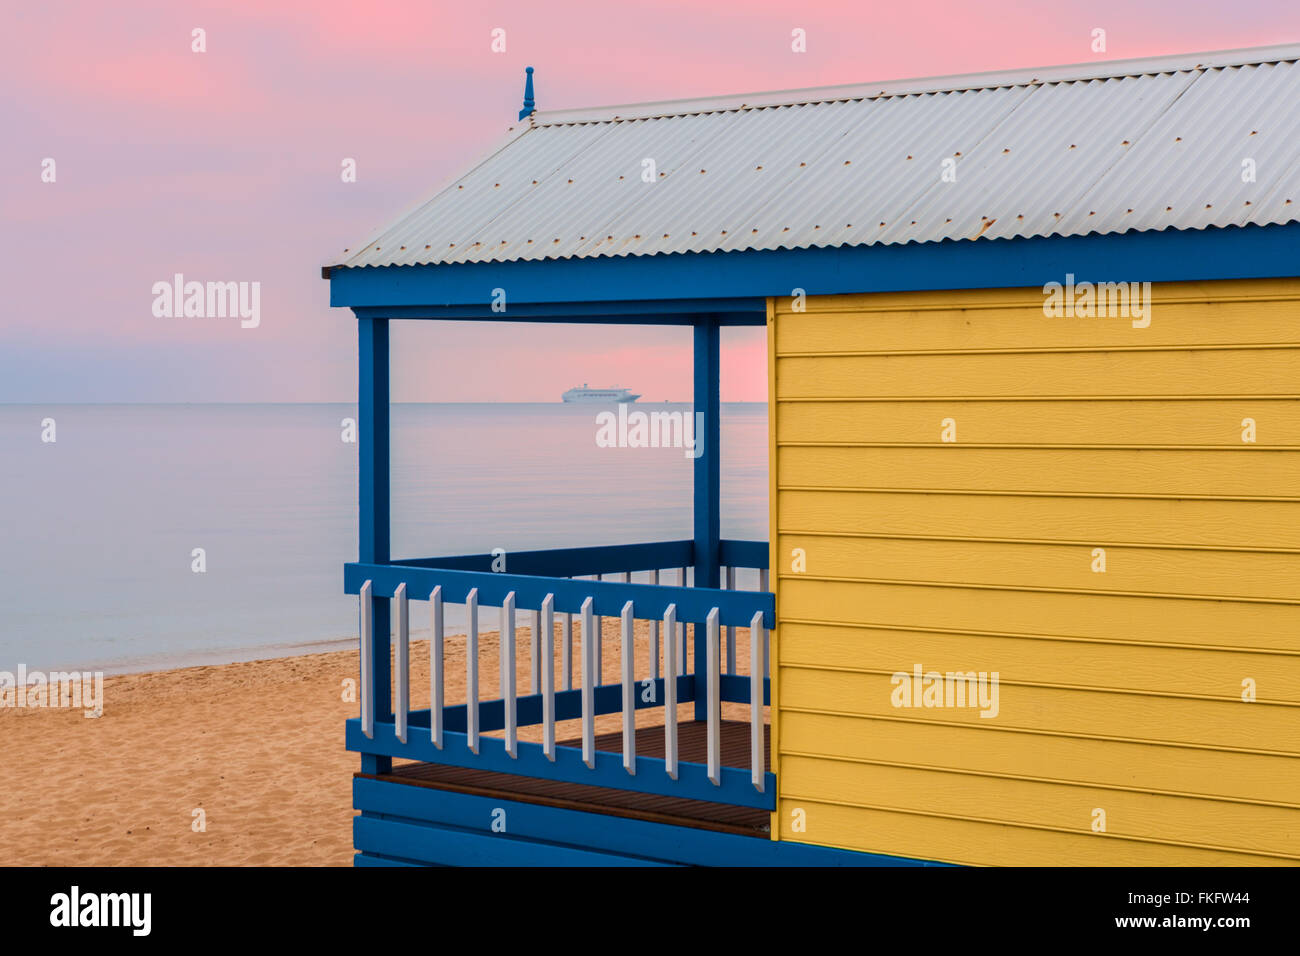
point(99, 527)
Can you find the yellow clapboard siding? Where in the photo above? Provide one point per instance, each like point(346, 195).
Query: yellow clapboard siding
point(1210, 723)
point(1243, 524)
point(1106, 617)
point(1120, 690)
point(954, 468)
point(976, 843)
point(1170, 670)
point(1004, 751)
point(1263, 371)
point(1175, 819)
point(1231, 574)
point(1043, 423)
point(1022, 325)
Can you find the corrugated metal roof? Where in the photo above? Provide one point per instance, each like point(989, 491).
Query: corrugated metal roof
point(1104, 147)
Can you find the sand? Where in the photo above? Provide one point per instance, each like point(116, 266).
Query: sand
point(257, 746)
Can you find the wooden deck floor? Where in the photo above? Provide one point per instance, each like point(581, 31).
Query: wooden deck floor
point(692, 747)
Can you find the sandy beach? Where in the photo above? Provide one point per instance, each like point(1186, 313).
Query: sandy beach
point(257, 746)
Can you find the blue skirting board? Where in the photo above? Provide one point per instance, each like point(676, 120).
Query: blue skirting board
point(405, 825)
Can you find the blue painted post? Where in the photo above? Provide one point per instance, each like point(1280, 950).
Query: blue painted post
point(373, 510)
point(708, 481)
point(530, 103)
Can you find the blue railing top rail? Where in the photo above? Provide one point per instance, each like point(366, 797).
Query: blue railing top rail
point(601, 559)
point(649, 601)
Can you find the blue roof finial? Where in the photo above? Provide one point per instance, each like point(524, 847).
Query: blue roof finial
point(529, 105)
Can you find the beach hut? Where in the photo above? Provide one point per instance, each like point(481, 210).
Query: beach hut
point(1030, 594)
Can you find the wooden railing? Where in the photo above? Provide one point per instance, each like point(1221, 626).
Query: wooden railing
point(455, 733)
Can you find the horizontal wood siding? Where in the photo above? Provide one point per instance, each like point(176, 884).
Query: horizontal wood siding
point(1120, 691)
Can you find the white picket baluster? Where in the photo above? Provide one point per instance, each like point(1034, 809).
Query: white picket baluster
point(548, 677)
point(588, 687)
point(670, 692)
point(628, 660)
point(367, 652)
point(471, 671)
point(401, 714)
point(509, 670)
point(714, 690)
point(436, 678)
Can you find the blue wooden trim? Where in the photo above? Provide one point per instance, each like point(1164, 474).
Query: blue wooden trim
point(707, 477)
point(692, 780)
point(469, 848)
point(373, 440)
point(1170, 255)
point(373, 497)
point(530, 103)
point(601, 832)
point(568, 562)
point(732, 311)
point(602, 559)
point(649, 601)
point(734, 689)
point(742, 554)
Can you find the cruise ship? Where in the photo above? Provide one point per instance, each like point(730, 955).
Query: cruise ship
point(602, 396)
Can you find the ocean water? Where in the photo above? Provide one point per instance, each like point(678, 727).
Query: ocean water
point(98, 528)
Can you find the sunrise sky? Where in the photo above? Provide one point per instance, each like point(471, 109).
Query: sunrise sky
point(225, 165)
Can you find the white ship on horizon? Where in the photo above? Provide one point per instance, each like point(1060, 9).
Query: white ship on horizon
point(600, 395)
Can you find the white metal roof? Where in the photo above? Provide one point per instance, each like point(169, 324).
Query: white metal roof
point(1103, 147)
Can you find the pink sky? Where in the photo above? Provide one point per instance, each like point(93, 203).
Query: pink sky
point(225, 165)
